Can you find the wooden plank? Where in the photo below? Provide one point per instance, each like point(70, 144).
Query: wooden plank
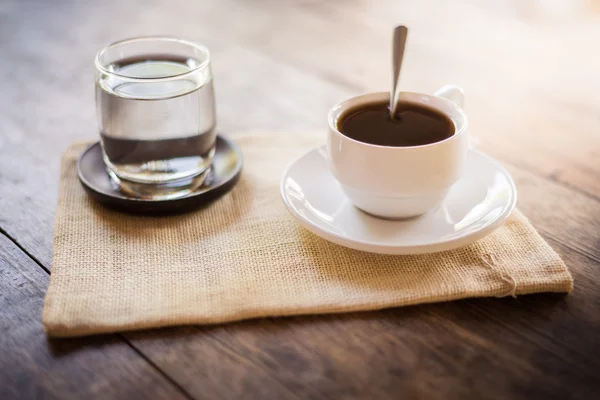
point(559, 213)
point(529, 347)
point(32, 366)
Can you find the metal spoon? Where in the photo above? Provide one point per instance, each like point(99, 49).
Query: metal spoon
point(400, 34)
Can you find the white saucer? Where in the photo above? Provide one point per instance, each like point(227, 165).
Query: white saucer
point(477, 204)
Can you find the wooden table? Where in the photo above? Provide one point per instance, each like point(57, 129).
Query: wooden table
point(530, 70)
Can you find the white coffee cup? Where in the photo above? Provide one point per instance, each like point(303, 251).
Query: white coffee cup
point(399, 182)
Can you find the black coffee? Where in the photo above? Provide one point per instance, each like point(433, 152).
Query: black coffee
point(414, 125)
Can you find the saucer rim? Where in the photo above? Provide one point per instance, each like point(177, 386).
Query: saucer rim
point(422, 248)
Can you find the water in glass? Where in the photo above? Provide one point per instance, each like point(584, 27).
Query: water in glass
point(158, 127)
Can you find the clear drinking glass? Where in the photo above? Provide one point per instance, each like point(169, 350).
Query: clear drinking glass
point(156, 111)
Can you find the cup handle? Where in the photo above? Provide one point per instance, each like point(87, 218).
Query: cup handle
point(453, 93)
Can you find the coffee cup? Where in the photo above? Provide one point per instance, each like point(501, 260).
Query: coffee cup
point(399, 181)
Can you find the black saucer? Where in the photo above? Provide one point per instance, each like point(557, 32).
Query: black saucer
point(225, 172)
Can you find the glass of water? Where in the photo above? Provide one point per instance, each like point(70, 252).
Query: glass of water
point(156, 110)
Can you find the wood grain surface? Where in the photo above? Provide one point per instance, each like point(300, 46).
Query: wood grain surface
point(530, 73)
point(32, 366)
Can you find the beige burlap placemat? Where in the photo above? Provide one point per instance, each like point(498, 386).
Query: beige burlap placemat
point(244, 256)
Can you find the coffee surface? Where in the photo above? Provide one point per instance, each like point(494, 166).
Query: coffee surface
point(414, 125)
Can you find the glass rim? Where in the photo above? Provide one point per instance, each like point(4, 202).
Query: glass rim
point(192, 71)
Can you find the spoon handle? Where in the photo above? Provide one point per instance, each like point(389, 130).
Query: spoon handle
point(400, 34)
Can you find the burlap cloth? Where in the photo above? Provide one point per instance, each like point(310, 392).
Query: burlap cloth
point(244, 256)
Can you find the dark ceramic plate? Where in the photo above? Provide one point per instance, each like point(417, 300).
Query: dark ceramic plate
point(225, 172)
